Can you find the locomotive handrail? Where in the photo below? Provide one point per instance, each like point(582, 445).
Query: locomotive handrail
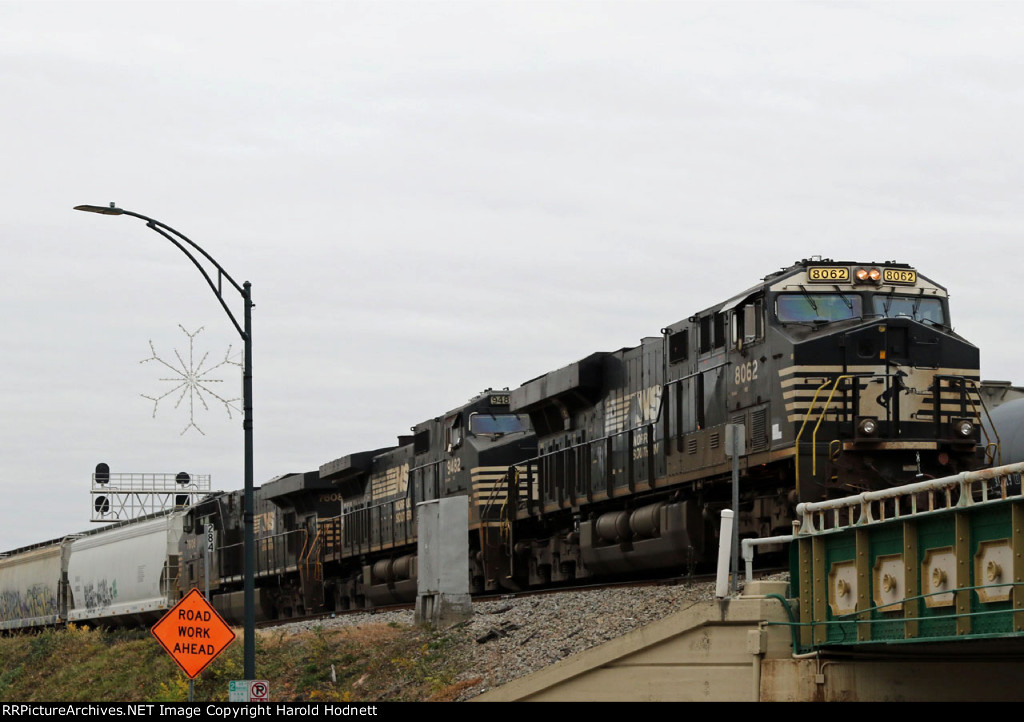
point(828, 403)
point(492, 497)
point(368, 514)
point(821, 417)
point(265, 553)
point(799, 433)
point(308, 547)
point(974, 406)
point(698, 372)
point(437, 478)
point(427, 465)
point(664, 394)
point(330, 526)
point(871, 507)
point(648, 427)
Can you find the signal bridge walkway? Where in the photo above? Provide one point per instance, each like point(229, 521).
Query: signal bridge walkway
point(915, 593)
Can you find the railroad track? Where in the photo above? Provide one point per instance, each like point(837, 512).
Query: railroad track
point(685, 580)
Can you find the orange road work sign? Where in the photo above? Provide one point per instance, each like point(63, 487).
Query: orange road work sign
point(193, 633)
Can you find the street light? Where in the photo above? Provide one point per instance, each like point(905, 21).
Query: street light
point(245, 331)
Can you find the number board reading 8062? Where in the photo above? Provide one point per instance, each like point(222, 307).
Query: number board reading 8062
point(828, 274)
point(899, 275)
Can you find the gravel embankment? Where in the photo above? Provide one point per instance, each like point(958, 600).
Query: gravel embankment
point(513, 637)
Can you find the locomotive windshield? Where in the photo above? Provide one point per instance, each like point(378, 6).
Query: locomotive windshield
point(810, 307)
point(928, 310)
point(498, 423)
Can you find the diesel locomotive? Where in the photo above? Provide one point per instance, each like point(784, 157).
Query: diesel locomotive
point(844, 376)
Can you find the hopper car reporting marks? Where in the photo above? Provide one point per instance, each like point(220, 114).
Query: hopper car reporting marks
point(846, 376)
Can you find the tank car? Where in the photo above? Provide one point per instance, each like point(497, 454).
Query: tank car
point(370, 546)
point(844, 375)
point(1007, 424)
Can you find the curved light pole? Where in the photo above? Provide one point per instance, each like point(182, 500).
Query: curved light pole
point(245, 331)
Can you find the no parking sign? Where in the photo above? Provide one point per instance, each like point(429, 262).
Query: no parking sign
point(249, 690)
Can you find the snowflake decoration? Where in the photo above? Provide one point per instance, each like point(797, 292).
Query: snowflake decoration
point(193, 381)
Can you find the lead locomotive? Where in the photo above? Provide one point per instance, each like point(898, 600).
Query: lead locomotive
point(845, 376)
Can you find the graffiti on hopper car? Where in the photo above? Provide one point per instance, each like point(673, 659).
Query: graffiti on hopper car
point(36, 602)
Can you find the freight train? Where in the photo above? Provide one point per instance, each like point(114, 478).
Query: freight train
point(843, 376)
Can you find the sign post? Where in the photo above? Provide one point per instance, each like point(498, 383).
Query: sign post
point(735, 446)
point(193, 633)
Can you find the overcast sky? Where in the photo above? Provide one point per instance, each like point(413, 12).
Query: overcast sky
point(433, 198)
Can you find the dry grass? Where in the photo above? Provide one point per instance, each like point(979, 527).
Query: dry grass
point(376, 662)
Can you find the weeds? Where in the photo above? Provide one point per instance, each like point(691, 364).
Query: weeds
point(375, 662)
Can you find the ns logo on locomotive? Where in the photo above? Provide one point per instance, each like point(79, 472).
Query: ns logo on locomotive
point(846, 376)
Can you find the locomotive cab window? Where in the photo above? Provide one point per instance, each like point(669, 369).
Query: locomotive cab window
point(678, 346)
point(712, 332)
point(748, 323)
point(497, 424)
point(704, 334)
point(453, 432)
point(927, 310)
point(719, 330)
point(817, 307)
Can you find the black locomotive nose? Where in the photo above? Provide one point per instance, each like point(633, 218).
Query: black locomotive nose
point(900, 341)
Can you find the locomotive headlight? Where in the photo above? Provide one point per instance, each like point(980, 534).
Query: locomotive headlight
point(868, 275)
point(867, 426)
point(963, 428)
